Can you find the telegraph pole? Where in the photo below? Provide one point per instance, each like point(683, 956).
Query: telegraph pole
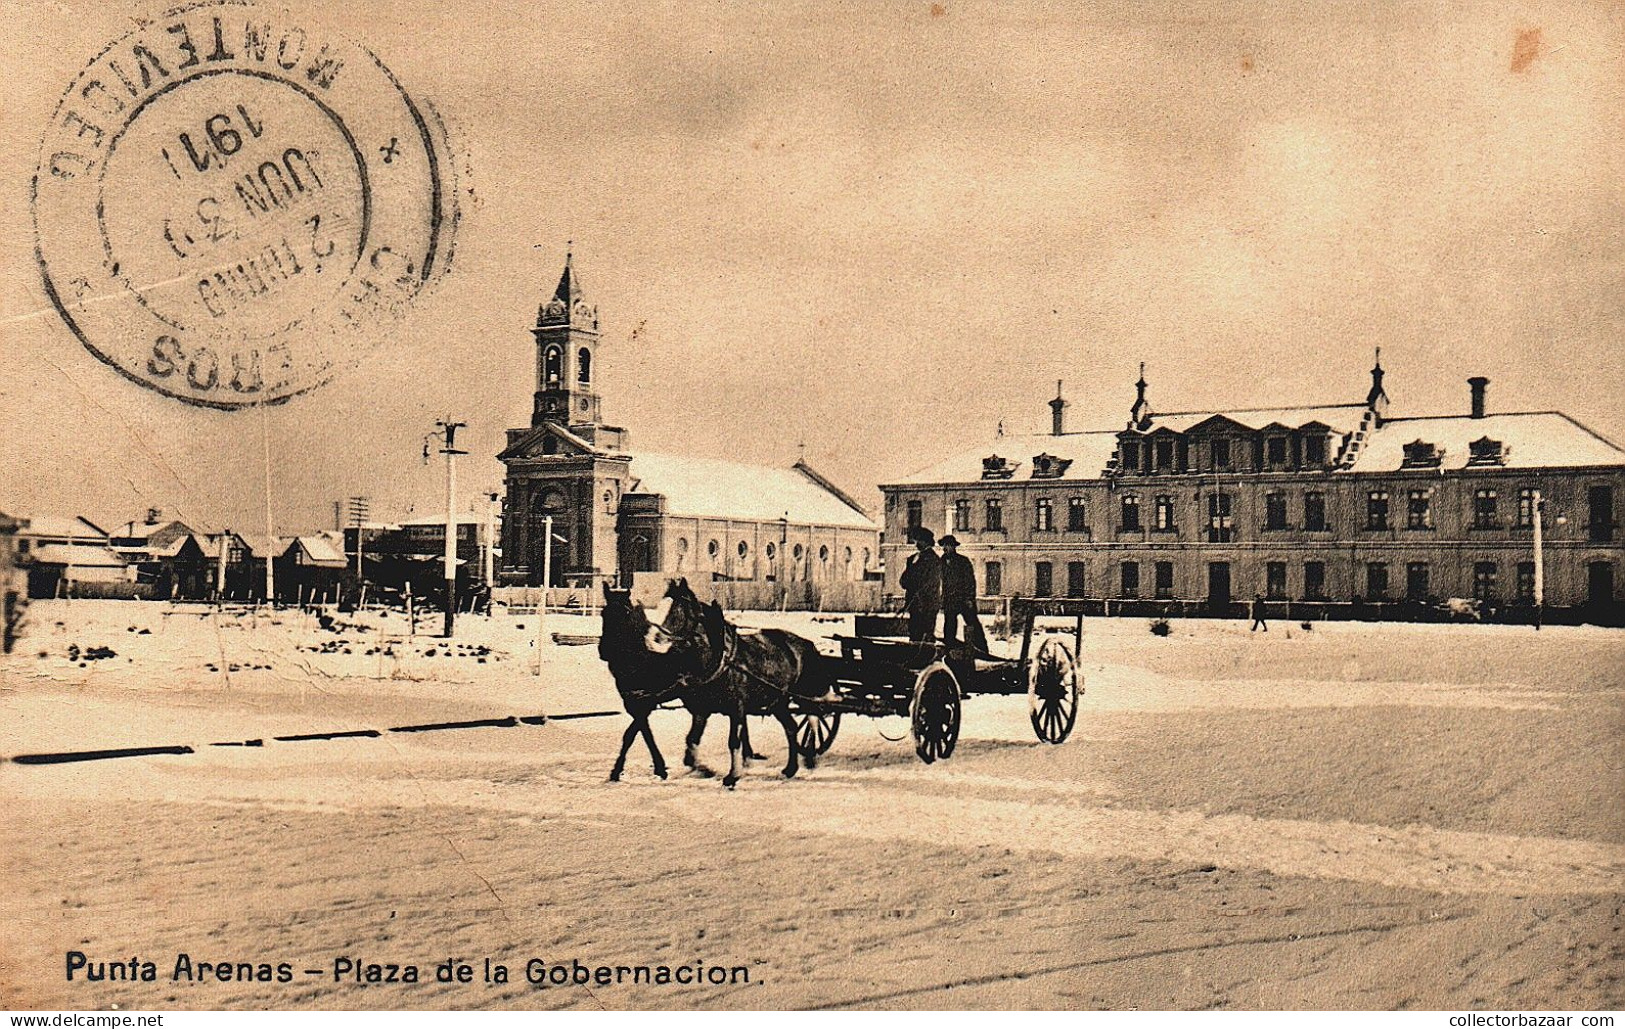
point(450, 428)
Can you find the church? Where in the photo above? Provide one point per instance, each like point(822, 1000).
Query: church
point(616, 511)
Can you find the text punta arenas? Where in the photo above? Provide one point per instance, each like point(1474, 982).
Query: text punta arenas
point(186, 969)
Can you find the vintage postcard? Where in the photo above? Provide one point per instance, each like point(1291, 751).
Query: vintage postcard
point(816, 505)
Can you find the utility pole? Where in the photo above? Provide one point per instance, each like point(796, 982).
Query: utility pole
point(490, 541)
point(450, 428)
point(359, 508)
point(1540, 557)
point(270, 539)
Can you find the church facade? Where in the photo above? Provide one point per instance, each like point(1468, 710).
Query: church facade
point(616, 512)
point(1337, 504)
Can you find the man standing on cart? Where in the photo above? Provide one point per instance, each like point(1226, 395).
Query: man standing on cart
point(922, 585)
point(959, 598)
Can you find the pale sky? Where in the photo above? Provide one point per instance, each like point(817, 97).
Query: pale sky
point(881, 229)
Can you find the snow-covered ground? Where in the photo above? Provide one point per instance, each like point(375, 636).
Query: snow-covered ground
point(1349, 816)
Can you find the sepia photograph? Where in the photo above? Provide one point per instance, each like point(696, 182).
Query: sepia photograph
point(825, 505)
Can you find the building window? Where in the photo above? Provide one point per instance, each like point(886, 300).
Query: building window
point(1526, 509)
point(1416, 581)
point(1419, 509)
point(823, 555)
point(584, 365)
point(1526, 581)
point(1484, 580)
point(1130, 572)
point(712, 549)
point(1221, 453)
point(1314, 512)
point(1277, 450)
point(993, 577)
point(1314, 451)
point(1043, 579)
point(1165, 455)
point(552, 365)
point(1275, 580)
point(1043, 515)
point(1220, 526)
point(1275, 510)
point(962, 516)
point(797, 552)
point(995, 514)
point(1075, 572)
point(1075, 516)
point(1484, 509)
point(743, 550)
point(916, 514)
point(866, 556)
point(1376, 580)
point(1376, 509)
point(1131, 457)
point(1165, 580)
point(1131, 513)
point(772, 551)
point(1162, 517)
point(1314, 580)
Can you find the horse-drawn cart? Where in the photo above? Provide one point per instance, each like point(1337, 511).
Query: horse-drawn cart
point(927, 683)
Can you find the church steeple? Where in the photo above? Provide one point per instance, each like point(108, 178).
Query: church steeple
point(566, 351)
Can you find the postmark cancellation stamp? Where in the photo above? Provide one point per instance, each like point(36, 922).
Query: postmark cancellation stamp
point(228, 200)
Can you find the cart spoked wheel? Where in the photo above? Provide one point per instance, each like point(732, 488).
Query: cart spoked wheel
point(1052, 691)
point(935, 713)
point(816, 732)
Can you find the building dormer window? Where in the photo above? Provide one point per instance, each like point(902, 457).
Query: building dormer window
point(1165, 455)
point(1486, 451)
point(1221, 453)
point(1420, 454)
point(1276, 446)
point(996, 467)
point(1048, 466)
point(1314, 450)
point(1131, 457)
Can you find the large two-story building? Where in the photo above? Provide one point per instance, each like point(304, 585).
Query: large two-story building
point(1338, 503)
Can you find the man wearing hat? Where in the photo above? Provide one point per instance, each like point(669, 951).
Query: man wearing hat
point(959, 597)
point(922, 584)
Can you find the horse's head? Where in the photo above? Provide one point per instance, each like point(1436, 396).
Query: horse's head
point(625, 625)
point(678, 621)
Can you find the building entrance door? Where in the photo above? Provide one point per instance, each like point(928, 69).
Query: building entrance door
point(1600, 583)
point(1218, 583)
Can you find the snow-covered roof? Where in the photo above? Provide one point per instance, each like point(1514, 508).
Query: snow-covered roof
point(709, 488)
point(78, 555)
point(1087, 452)
point(1343, 418)
point(463, 518)
point(1534, 439)
point(319, 550)
point(61, 527)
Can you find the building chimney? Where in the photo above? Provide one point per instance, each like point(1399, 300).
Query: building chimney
point(1479, 384)
point(152, 515)
point(1057, 409)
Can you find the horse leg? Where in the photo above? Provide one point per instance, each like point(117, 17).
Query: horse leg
point(744, 742)
point(691, 746)
point(631, 733)
point(735, 725)
point(789, 723)
point(658, 758)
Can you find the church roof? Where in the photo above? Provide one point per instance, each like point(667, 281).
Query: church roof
point(569, 288)
point(708, 488)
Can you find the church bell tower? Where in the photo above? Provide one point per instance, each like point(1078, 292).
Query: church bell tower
point(567, 359)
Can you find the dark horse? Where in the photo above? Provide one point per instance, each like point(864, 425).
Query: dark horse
point(736, 674)
point(644, 678)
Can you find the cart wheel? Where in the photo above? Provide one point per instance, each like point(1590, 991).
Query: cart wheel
point(935, 713)
point(816, 732)
point(1052, 691)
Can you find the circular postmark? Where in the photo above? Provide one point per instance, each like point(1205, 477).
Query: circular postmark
point(227, 202)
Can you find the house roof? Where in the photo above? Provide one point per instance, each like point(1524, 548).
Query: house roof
point(79, 556)
point(709, 488)
point(319, 550)
point(1343, 418)
point(1532, 439)
point(141, 530)
point(60, 526)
